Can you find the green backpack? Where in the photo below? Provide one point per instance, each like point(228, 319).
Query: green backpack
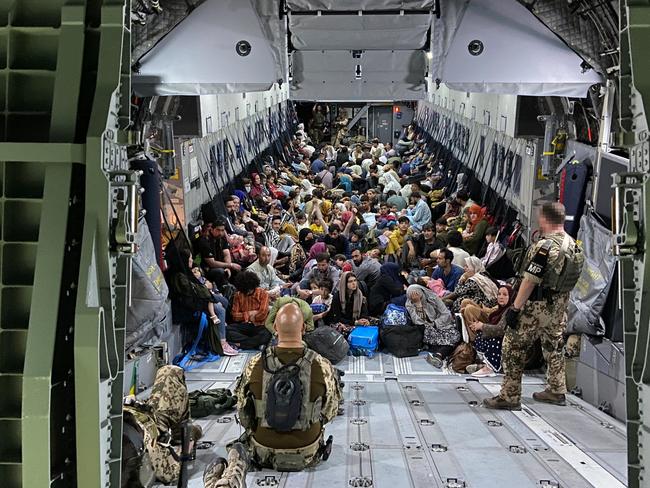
point(211, 402)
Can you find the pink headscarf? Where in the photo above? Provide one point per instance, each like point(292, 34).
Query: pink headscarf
point(346, 216)
point(317, 248)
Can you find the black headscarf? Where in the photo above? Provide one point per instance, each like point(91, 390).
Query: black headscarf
point(304, 242)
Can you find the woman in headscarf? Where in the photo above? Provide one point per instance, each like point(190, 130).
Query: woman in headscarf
point(299, 252)
point(474, 233)
point(348, 302)
point(257, 190)
point(305, 188)
point(316, 249)
point(426, 309)
point(474, 285)
point(489, 330)
point(390, 180)
point(389, 288)
point(245, 203)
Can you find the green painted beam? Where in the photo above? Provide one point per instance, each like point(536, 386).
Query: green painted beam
point(69, 69)
point(43, 152)
point(43, 318)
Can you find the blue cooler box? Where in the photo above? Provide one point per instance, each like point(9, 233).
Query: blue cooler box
point(365, 338)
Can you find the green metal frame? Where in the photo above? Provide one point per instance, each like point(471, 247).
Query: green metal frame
point(632, 201)
point(65, 258)
point(64, 101)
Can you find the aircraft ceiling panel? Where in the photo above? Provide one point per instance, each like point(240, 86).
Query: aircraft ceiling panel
point(354, 5)
point(199, 56)
point(380, 76)
point(498, 46)
point(359, 31)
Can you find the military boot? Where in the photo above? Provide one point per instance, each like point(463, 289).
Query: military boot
point(498, 403)
point(213, 472)
point(550, 397)
point(234, 476)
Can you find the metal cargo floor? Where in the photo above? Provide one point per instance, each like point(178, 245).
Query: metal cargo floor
point(408, 425)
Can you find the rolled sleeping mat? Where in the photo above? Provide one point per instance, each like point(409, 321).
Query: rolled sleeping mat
point(573, 191)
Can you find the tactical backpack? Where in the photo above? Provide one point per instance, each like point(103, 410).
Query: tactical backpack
point(211, 402)
point(286, 389)
point(329, 343)
point(137, 468)
point(573, 260)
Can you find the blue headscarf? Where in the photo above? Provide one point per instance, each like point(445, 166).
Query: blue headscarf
point(392, 271)
point(242, 196)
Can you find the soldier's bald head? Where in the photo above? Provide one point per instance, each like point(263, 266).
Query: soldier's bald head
point(289, 320)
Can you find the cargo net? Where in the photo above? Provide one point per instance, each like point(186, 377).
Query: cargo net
point(590, 30)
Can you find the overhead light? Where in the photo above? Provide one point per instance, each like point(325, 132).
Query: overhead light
point(429, 55)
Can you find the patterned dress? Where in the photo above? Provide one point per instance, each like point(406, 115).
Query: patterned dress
point(472, 291)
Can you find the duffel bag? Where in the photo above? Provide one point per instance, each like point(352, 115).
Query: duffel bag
point(402, 341)
point(329, 343)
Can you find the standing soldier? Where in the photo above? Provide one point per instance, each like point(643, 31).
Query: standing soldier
point(551, 270)
point(285, 397)
point(341, 128)
point(318, 123)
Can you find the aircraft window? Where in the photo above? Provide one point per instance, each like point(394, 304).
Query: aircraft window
point(224, 119)
point(486, 117)
point(473, 112)
point(248, 110)
point(236, 114)
point(504, 123)
point(208, 125)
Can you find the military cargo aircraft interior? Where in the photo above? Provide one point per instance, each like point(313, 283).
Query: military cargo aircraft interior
point(324, 243)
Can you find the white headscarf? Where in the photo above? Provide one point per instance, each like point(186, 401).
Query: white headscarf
point(356, 169)
point(306, 188)
point(487, 286)
point(365, 164)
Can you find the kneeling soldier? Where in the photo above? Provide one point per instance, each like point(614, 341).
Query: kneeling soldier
point(285, 396)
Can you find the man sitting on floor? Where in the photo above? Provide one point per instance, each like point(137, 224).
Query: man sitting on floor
point(269, 279)
point(250, 307)
point(283, 429)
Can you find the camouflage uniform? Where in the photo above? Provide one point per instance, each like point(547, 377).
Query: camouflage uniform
point(160, 418)
point(301, 457)
point(543, 318)
point(318, 124)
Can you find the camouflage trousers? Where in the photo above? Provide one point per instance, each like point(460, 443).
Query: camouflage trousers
point(166, 409)
point(286, 459)
point(543, 320)
point(261, 456)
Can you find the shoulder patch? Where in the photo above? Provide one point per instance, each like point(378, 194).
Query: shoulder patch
point(539, 261)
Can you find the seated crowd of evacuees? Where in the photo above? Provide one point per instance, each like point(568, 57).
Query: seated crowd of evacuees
point(350, 231)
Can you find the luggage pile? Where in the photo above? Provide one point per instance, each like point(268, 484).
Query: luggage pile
point(393, 331)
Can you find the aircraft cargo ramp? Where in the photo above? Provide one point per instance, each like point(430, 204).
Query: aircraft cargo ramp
point(408, 425)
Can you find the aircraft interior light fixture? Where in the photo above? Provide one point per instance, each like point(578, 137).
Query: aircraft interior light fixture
point(475, 47)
